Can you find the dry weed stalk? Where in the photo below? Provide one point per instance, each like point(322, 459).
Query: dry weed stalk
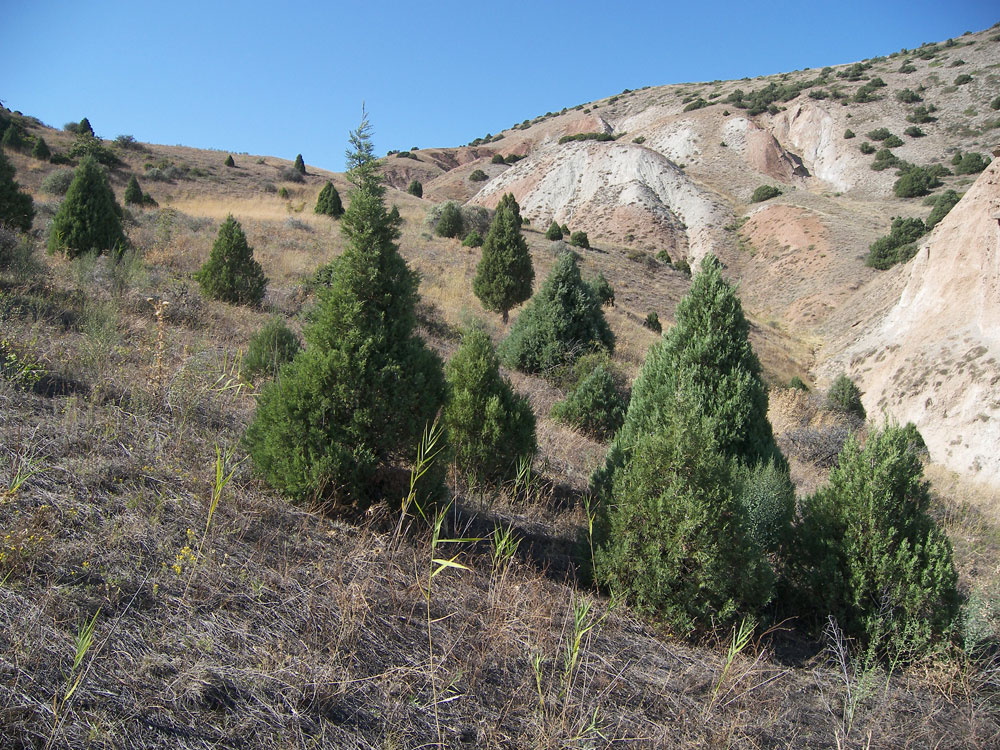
point(156, 374)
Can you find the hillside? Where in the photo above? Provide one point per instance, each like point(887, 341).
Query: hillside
point(262, 624)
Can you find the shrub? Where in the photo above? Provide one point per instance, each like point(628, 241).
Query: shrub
point(12, 139)
point(848, 133)
point(642, 139)
point(450, 223)
point(587, 137)
point(879, 134)
point(884, 159)
point(683, 266)
point(867, 148)
point(472, 239)
point(767, 498)
point(594, 406)
point(415, 188)
point(664, 257)
point(505, 272)
point(915, 182)
point(561, 322)
point(995, 104)
point(269, 349)
point(479, 176)
point(133, 193)
point(797, 383)
point(920, 115)
point(328, 202)
point(907, 68)
point(554, 232)
point(86, 146)
point(58, 182)
point(963, 79)
point(290, 174)
point(231, 274)
point(908, 96)
point(282, 191)
point(893, 141)
point(71, 127)
point(895, 248)
point(602, 289)
point(914, 132)
point(698, 103)
point(942, 205)
point(869, 555)
point(490, 426)
point(844, 396)
point(652, 322)
point(89, 218)
point(971, 163)
point(128, 143)
point(579, 239)
point(84, 128)
point(764, 193)
point(230, 162)
point(498, 159)
point(361, 393)
point(41, 149)
point(299, 165)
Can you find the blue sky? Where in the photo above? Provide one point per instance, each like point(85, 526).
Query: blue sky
point(265, 79)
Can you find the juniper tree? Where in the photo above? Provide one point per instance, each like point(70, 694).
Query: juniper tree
point(230, 162)
point(507, 201)
point(231, 273)
point(562, 321)
point(415, 188)
point(450, 223)
point(84, 128)
point(41, 149)
point(554, 232)
point(133, 193)
point(300, 166)
point(505, 273)
point(489, 425)
point(16, 208)
point(89, 218)
point(328, 202)
point(356, 400)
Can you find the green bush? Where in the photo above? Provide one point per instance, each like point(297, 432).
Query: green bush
point(897, 246)
point(908, 96)
point(579, 239)
point(963, 79)
point(17, 210)
point(914, 132)
point(942, 205)
point(479, 176)
point(472, 239)
point(664, 257)
point(884, 159)
point(41, 149)
point(867, 148)
point(869, 555)
point(602, 289)
point(450, 222)
point(893, 141)
point(231, 274)
point(85, 146)
point(915, 182)
point(797, 383)
point(490, 426)
point(13, 139)
point(652, 322)
point(89, 219)
point(498, 159)
point(356, 400)
point(844, 396)
point(416, 188)
point(642, 139)
point(133, 193)
point(270, 348)
point(995, 104)
point(587, 137)
point(879, 134)
point(920, 115)
point(764, 193)
point(767, 498)
point(683, 266)
point(229, 161)
point(328, 202)
point(505, 272)
point(554, 232)
point(58, 182)
point(561, 322)
point(594, 406)
point(299, 166)
point(848, 133)
point(698, 103)
point(971, 163)
point(84, 128)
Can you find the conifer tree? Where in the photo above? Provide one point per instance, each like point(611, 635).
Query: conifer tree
point(85, 129)
point(450, 224)
point(554, 232)
point(300, 166)
point(416, 188)
point(357, 398)
point(230, 162)
point(41, 149)
point(507, 201)
point(505, 273)
point(12, 139)
point(562, 321)
point(231, 274)
point(489, 425)
point(17, 210)
point(133, 193)
point(328, 202)
point(89, 218)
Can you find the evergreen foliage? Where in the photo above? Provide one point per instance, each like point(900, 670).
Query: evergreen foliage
point(869, 554)
point(89, 218)
point(594, 405)
point(416, 188)
point(17, 210)
point(896, 247)
point(971, 162)
point(579, 239)
point(133, 193)
point(356, 400)
point(914, 183)
point(328, 202)
point(12, 139)
point(507, 202)
point(652, 322)
point(505, 272)
point(472, 239)
point(41, 149)
point(554, 232)
point(561, 322)
point(845, 397)
point(490, 426)
point(231, 274)
point(230, 162)
point(764, 193)
point(299, 166)
point(84, 128)
point(605, 294)
point(450, 224)
point(479, 176)
point(269, 349)
point(498, 159)
point(942, 205)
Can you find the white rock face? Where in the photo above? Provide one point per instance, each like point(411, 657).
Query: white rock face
point(818, 137)
point(934, 359)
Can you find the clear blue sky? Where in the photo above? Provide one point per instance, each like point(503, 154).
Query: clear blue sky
point(266, 79)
